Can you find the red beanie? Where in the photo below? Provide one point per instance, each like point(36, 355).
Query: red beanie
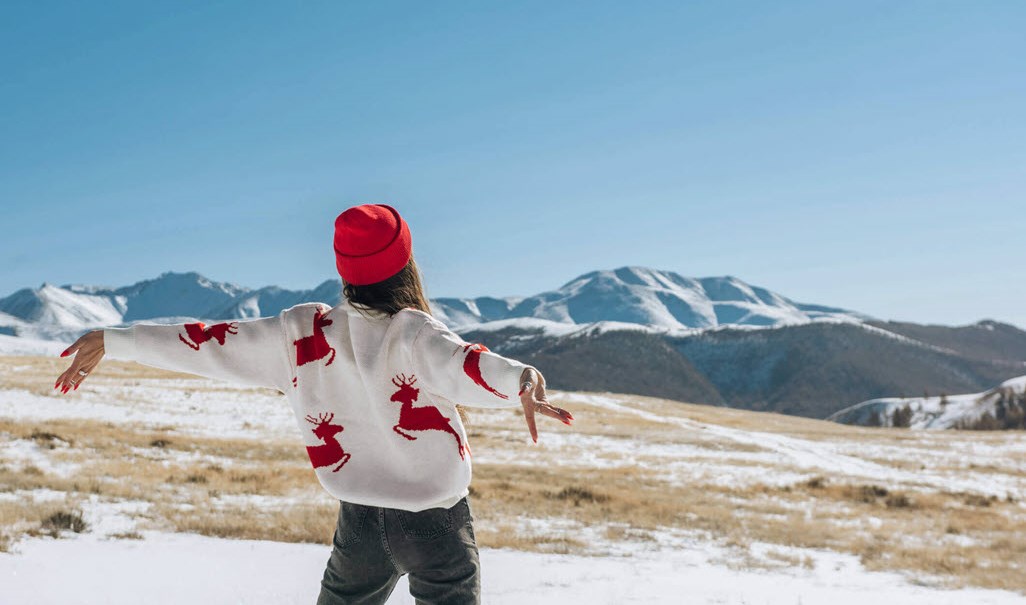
point(372, 243)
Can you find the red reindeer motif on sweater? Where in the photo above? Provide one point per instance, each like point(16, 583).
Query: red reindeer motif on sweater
point(472, 367)
point(198, 333)
point(331, 450)
point(424, 418)
point(314, 347)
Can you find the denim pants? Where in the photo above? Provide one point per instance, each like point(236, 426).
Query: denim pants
point(375, 546)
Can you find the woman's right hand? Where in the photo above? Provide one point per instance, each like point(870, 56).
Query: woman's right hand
point(88, 352)
point(533, 399)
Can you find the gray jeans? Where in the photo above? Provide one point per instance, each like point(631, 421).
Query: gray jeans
point(375, 546)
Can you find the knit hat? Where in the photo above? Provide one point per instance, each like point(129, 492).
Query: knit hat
point(372, 243)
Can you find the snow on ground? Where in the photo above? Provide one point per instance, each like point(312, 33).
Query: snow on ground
point(21, 453)
point(183, 568)
point(830, 457)
point(666, 568)
point(199, 406)
point(15, 345)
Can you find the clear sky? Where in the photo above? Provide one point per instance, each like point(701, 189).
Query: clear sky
point(868, 155)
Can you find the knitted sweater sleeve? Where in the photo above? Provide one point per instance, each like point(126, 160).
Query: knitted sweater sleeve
point(464, 373)
point(251, 352)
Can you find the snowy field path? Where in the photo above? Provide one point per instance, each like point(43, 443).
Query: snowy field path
point(165, 569)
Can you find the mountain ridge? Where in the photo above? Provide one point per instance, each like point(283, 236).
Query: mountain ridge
point(625, 295)
point(713, 340)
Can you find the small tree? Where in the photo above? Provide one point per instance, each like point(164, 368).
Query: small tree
point(986, 422)
point(902, 417)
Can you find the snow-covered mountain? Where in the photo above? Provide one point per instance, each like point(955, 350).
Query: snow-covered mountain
point(62, 313)
point(625, 297)
point(940, 412)
point(715, 340)
point(662, 300)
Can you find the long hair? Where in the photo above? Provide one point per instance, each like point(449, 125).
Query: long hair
point(401, 291)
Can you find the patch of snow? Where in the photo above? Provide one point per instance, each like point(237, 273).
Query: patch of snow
point(545, 327)
point(182, 568)
point(201, 406)
point(41, 495)
point(24, 453)
point(807, 456)
point(18, 345)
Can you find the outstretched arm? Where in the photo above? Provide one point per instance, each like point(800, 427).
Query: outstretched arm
point(471, 375)
point(252, 352)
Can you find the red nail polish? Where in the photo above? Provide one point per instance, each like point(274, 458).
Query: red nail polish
point(76, 388)
point(65, 353)
point(56, 383)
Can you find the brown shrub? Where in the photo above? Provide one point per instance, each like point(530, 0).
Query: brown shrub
point(63, 521)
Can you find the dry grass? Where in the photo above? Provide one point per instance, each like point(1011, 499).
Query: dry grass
point(791, 559)
point(507, 535)
point(175, 473)
point(265, 489)
point(29, 517)
point(912, 529)
point(312, 523)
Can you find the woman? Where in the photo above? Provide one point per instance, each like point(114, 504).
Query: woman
point(374, 384)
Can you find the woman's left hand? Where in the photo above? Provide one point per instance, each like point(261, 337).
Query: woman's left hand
point(533, 399)
point(89, 352)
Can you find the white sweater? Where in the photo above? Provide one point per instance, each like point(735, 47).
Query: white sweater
point(390, 382)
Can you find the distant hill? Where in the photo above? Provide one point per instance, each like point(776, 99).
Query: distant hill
point(807, 370)
point(986, 340)
point(1002, 407)
point(815, 369)
point(621, 361)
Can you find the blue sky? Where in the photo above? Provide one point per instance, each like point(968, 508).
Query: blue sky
point(868, 155)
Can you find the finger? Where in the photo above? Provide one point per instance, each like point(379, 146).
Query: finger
point(67, 381)
point(80, 378)
point(540, 395)
point(529, 417)
point(74, 346)
point(62, 380)
point(557, 413)
point(71, 378)
point(539, 389)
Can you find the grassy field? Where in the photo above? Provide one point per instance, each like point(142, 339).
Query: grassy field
point(632, 470)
